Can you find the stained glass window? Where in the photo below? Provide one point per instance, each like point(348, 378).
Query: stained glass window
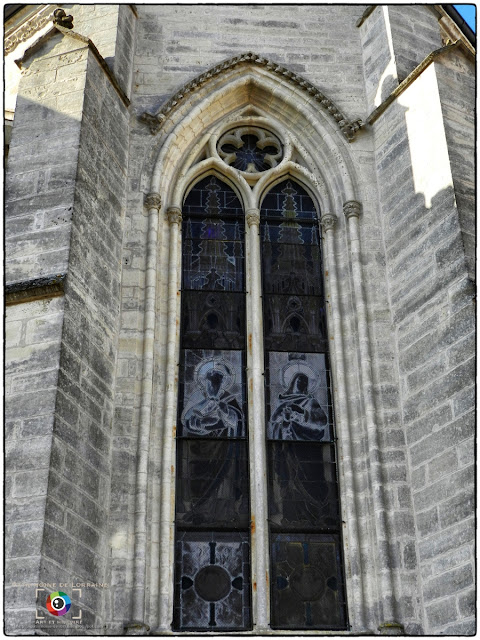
point(212, 545)
point(250, 149)
point(307, 589)
point(212, 574)
point(211, 394)
point(307, 582)
point(212, 581)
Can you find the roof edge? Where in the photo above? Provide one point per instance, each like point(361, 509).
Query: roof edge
point(461, 24)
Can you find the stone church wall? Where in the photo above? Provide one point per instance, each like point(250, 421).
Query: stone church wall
point(33, 333)
point(79, 168)
point(457, 90)
point(415, 34)
point(80, 471)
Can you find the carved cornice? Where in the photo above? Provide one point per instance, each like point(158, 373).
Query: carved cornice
point(348, 128)
point(35, 289)
point(153, 201)
point(28, 28)
point(352, 209)
point(253, 217)
point(174, 215)
point(328, 221)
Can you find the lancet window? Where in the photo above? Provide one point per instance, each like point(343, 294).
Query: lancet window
point(306, 575)
point(212, 584)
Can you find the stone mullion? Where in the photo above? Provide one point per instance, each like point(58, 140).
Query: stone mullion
point(352, 210)
point(257, 442)
point(153, 204)
point(169, 426)
point(343, 424)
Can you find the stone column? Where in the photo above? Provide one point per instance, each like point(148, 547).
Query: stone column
point(256, 419)
point(342, 424)
point(352, 211)
point(152, 203)
point(169, 426)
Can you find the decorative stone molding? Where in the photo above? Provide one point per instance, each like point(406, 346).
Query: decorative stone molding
point(27, 29)
point(60, 18)
point(348, 128)
point(153, 201)
point(352, 209)
point(35, 289)
point(174, 215)
point(328, 221)
point(253, 217)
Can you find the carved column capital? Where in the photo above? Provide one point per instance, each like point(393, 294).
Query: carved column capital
point(174, 215)
point(352, 209)
point(153, 201)
point(328, 221)
point(253, 217)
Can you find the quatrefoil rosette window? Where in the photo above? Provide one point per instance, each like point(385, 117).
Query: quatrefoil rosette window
point(250, 149)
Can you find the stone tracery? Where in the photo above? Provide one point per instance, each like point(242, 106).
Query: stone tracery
point(250, 149)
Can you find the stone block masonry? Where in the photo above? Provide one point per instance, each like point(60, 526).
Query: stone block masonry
point(85, 353)
point(433, 318)
point(40, 192)
point(79, 482)
point(59, 499)
point(455, 80)
point(32, 360)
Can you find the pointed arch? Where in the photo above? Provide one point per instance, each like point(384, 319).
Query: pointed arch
point(348, 128)
point(316, 154)
point(210, 166)
point(224, 100)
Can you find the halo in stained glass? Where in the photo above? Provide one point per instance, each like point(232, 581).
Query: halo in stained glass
point(211, 398)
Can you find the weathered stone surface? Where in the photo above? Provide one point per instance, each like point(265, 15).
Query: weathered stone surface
point(80, 165)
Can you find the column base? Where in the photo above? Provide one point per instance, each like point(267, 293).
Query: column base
point(136, 629)
point(391, 629)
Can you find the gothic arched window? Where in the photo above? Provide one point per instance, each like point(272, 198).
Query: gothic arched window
point(257, 518)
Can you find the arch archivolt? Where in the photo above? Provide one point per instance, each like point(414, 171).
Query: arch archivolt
point(252, 96)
